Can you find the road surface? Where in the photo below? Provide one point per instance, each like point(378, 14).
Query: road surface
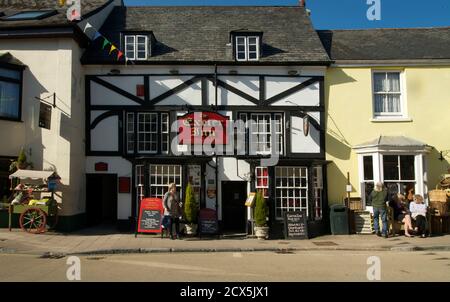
point(258, 266)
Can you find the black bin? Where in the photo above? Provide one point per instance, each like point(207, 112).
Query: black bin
point(339, 220)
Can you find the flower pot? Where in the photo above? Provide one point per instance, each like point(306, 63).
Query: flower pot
point(262, 232)
point(191, 229)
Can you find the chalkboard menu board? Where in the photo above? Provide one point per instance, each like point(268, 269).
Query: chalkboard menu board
point(208, 222)
point(296, 225)
point(150, 216)
point(150, 220)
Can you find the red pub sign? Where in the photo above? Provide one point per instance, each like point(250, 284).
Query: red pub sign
point(199, 126)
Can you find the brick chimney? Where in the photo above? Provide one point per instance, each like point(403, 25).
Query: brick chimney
point(302, 3)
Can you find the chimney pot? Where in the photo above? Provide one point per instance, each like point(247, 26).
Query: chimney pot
point(303, 3)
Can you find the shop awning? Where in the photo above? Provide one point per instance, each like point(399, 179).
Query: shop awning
point(31, 174)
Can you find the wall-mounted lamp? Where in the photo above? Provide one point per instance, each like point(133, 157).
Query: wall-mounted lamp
point(114, 71)
point(174, 71)
point(444, 154)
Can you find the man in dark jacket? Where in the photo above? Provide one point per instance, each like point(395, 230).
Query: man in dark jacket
point(379, 197)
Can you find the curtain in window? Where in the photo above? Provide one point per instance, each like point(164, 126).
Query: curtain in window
point(380, 82)
point(9, 99)
point(393, 80)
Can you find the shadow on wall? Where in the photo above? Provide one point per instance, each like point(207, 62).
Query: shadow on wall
point(337, 182)
point(436, 167)
point(338, 148)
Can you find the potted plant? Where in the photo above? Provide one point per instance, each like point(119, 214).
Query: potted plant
point(21, 162)
point(261, 214)
point(191, 208)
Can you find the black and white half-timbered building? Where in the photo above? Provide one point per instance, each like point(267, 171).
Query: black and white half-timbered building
point(202, 68)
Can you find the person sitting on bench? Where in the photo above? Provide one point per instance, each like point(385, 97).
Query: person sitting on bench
point(419, 213)
point(401, 212)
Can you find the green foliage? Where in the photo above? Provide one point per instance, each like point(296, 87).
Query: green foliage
point(261, 210)
point(191, 206)
point(20, 163)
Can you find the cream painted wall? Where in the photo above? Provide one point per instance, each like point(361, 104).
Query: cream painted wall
point(52, 67)
point(349, 120)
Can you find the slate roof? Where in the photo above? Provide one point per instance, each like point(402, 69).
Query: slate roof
point(202, 34)
point(387, 44)
point(10, 7)
point(392, 141)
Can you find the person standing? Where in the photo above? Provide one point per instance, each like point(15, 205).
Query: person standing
point(379, 197)
point(172, 209)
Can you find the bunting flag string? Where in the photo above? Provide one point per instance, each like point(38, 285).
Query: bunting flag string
point(106, 43)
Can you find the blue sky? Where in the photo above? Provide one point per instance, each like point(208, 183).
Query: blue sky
point(341, 14)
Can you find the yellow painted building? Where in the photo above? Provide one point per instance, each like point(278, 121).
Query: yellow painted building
point(388, 110)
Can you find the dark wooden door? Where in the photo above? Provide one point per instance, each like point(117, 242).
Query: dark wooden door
point(101, 198)
point(234, 211)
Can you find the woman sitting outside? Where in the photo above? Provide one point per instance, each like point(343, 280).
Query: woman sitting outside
point(419, 213)
point(401, 212)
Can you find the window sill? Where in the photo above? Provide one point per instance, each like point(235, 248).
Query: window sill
point(10, 119)
point(391, 120)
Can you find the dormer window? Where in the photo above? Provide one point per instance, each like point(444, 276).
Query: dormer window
point(136, 47)
point(247, 48)
point(246, 45)
point(30, 15)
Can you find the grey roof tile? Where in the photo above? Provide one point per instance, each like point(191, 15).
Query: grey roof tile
point(200, 34)
point(387, 44)
point(10, 7)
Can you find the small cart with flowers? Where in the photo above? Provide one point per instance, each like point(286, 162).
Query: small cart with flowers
point(36, 216)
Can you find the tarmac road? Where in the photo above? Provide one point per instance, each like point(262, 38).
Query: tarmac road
point(255, 266)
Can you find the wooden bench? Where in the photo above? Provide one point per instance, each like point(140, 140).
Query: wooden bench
point(395, 226)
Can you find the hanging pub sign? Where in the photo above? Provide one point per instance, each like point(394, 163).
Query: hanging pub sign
point(199, 126)
point(45, 116)
point(306, 125)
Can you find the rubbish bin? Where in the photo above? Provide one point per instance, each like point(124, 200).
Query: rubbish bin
point(339, 220)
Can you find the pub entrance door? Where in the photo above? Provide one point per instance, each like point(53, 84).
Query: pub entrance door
point(234, 211)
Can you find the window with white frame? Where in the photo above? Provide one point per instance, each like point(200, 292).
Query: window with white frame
point(399, 174)
point(136, 47)
point(163, 175)
point(262, 180)
point(368, 177)
point(165, 133)
point(291, 190)
point(148, 132)
point(130, 132)
point(387, 94)
point(262, 127)
point(318, 192)
point(247, 48)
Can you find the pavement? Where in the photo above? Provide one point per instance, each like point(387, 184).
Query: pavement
point(103, 240)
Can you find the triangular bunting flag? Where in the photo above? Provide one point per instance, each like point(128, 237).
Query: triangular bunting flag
point(105, 43)
point(87, 27)
point(119, 55)
point(112, 49)
point(97, 35)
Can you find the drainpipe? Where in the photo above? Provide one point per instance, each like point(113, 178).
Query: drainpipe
point(215, 84)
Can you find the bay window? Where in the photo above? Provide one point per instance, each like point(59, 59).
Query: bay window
point(399, 174)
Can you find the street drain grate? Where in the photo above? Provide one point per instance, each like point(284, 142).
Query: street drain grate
point(95, 258)
point(325, 243)
point(443, 258)
point(284, 251)
point(52, 256)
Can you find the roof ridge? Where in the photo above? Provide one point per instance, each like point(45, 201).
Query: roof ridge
point(386, 29)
